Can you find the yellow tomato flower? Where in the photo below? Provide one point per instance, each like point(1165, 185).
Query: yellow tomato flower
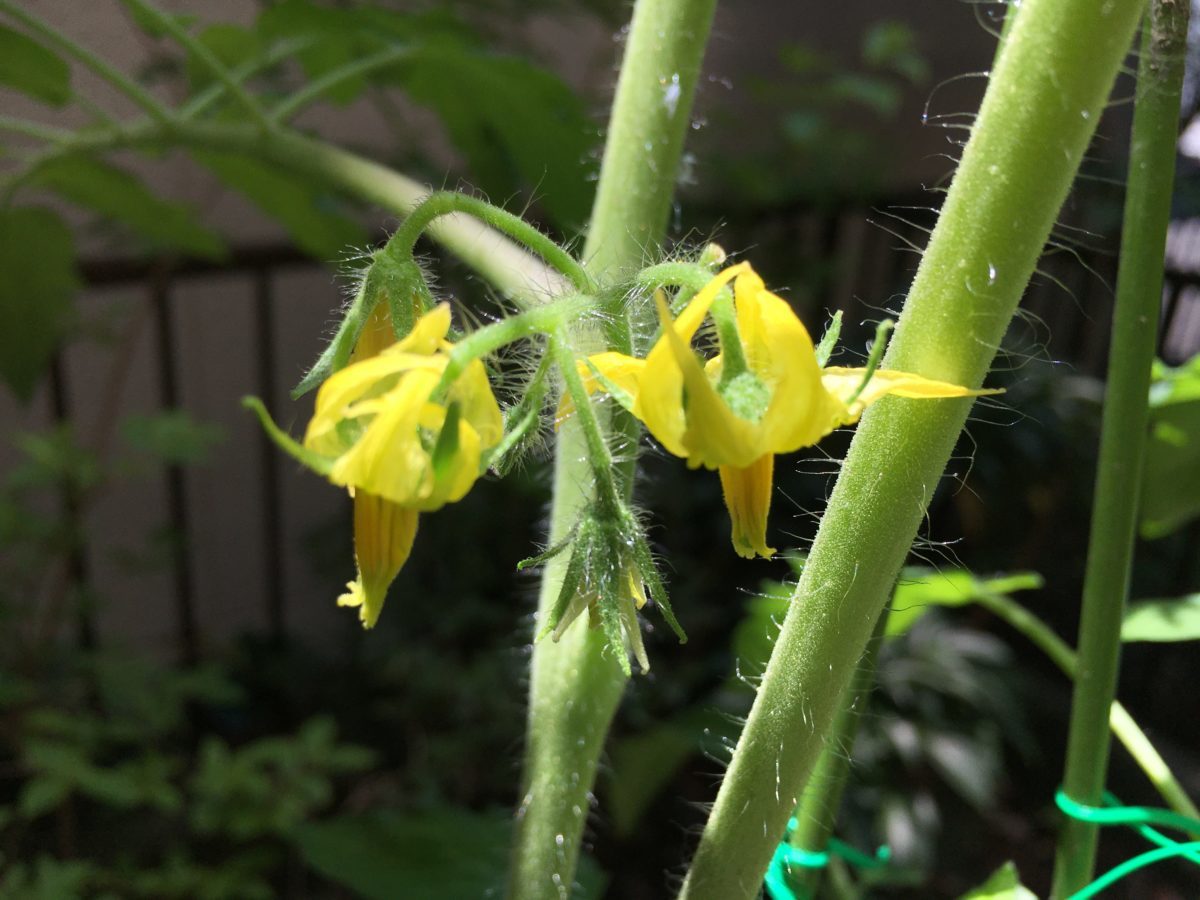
point(737, 421)
point(397, 448)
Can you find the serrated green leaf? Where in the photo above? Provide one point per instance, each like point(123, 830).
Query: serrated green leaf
point(1004, 884)
point(1175, 619)
point(120, 196)
point(518, 126)
point(32, 69)
point(313, 219)
point(38, 281)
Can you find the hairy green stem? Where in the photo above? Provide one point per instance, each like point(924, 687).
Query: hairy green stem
point(1120, 721)
point(575, 683)
point(817, 813)
point(444, 203)
point(1123, 429)
point(1046, 93)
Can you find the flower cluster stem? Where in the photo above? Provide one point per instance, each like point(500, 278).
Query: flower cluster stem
point(575, 683)
point(1046, 93)
point(1123, 429)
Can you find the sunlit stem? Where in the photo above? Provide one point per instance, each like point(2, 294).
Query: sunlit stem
point(882, 330)
point(576, 684)
point(443, 203)
point(1123, 428)
point(1061, 55)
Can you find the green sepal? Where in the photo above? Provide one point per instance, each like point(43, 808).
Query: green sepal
point(387, 278)
point(882, 330)
point(550, 552)
point(567, 592)
point(446, 447)
point(658, 592)
point(320, 464)
point(614, 390)
point(829, 339)
point(608, 603)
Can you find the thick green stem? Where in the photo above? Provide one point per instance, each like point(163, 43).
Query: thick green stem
point(816, 816)
point(1123, 429)
point(497, 259)
point(1119, 720)
point(1046, 93)
point(575, 684)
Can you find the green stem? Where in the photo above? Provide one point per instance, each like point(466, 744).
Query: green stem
point(444, 203)
point(214, 92)
point(576, 684)
point(292, 105)
point(131, 89)
point(1123, 429)
point(33, 129)
point(206, 58)
point(549, 318)
point(1046, 93)
point(1119, 720)
point(817, 813)
point(500, 261)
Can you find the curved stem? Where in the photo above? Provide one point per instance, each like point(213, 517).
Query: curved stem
point(127, 86)
point(292, 105)
point(575, 684)
point(444, 203)
point(1046, 93)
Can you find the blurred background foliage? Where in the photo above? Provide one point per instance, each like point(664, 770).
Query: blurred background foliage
point(383, 765)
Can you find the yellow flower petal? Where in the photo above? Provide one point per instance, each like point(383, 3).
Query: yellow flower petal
point(748, 498)
point(660, 400)
point(843, 382)
point(383, 538)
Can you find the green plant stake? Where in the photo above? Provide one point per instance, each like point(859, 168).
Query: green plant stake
point(1123, 430)
point(1047, 91)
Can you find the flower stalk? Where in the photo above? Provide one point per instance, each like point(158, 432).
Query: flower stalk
point(1123, 429)
point(1046, 93)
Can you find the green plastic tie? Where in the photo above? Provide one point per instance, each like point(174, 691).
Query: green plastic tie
point(786, 856)
point(1139, 818)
